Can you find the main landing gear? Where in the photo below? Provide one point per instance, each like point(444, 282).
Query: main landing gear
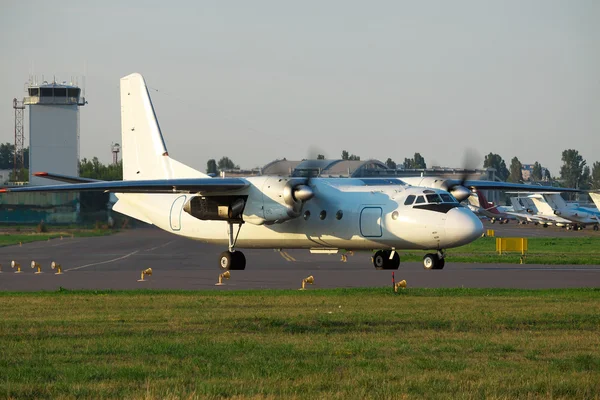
point(434, 261)
point(386, 259)
point(232, 259)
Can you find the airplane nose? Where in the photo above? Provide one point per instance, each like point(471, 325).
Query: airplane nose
point(462, 227)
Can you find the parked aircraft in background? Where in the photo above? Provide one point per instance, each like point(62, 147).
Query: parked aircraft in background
point(480, 206)
point(526, 212)
point(553, 204)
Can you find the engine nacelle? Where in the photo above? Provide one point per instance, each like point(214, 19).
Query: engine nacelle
point(273, 200)
point(220, 208)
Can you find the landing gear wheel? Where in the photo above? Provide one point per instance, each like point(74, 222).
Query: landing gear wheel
point(433, 261)
point(232, 261)
point(442, 262)
point(225, 260)
point(596, 227)
point(430, 261)
point(381, 260)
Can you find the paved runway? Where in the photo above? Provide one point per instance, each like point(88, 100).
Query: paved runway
point(115, 262)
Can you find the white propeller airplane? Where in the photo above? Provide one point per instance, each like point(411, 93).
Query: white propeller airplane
point(324, 215)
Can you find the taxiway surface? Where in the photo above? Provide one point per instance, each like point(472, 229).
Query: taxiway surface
point(116, 262)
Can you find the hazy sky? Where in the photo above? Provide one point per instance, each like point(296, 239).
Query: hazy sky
point(259, 80)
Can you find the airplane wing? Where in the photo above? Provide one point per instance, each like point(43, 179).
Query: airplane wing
point(186, 185)
point(490, 185)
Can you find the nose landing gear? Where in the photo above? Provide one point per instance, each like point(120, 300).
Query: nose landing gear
point(384, 259)
point(434, 261)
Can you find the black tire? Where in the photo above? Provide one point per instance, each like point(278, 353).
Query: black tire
point(441, 263)
point(596, 227)
point(239, 261)
point(380, 260)
point(430, 261)
point(394, 263)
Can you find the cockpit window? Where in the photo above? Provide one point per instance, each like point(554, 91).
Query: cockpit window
point(420, 200)
point(447, 198)
point(409, 200)
point(433, 198)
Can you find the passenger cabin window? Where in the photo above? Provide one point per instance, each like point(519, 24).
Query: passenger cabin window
point(420, 200)
point(433, 198)
point(446, 198)
point(409, 200)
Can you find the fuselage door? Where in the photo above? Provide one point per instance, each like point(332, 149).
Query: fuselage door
point(176, 209)
point(370, 222)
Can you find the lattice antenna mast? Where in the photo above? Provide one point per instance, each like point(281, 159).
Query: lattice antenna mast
point(19, 159)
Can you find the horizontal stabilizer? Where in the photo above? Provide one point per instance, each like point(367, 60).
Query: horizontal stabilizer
point(64, 178)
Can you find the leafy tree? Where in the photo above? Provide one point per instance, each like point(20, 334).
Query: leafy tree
point(417, 162)
point(94, 169)
point(390, 163)
point(586, 179)
point(7, 151)
point(495, 161)
point(350, 157)
point(516, 171)
point(547, 176)
point(320, 157)
point(572, 169)
point(595, 177)
point(536, 174)
point(211, 166)
point(225, 163)
point(22, 176)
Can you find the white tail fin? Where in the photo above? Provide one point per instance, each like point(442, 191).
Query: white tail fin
point(596, 199)
point(542, 206)
point(145, 154)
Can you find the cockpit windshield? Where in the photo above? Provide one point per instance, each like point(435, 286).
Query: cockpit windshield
point(430, 198)
point(433, 198)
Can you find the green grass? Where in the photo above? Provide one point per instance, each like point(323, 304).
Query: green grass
point(357, 343)
point(9, 239)
point(558, 251)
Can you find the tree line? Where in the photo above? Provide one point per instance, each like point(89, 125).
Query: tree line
point(574, 172)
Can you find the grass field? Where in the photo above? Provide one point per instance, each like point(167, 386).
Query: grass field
point(359, 343)
point(581, 250)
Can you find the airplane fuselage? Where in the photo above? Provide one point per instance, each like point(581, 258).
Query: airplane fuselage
point(351, 214)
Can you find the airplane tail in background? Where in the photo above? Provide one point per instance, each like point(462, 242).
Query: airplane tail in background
point(596, 199)
point(517, 206)
point(484, 203)
point(145, 154)
point(542, 206)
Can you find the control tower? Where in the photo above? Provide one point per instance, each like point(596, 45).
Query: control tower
point(53, 129)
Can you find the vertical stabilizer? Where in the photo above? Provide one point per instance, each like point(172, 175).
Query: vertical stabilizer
point(541, 205)
point(596, 199)
point(145, 154)
point(555, 201)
